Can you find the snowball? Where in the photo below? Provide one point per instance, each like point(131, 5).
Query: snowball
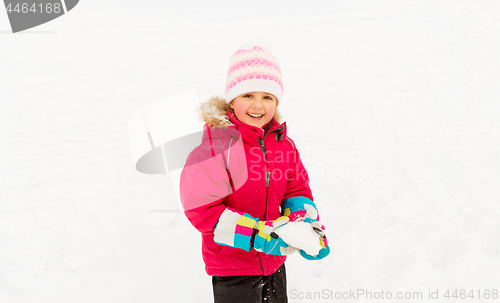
point(300, 235)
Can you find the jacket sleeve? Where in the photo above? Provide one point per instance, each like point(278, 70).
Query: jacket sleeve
point(206, 179)
point(204, 184)
point(298, 179)
point(205, 218)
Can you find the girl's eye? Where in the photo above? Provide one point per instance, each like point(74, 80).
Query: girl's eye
point(247, 96)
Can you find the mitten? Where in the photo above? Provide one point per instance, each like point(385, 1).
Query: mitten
point(298, 208)
point(320, 230)
point(240, 230)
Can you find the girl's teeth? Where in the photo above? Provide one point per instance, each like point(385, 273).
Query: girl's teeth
point(255, 116)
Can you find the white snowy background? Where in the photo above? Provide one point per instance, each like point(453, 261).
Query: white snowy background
point(392, 104)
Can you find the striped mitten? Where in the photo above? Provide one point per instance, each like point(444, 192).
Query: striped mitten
point(298, 208)
point(240, 230)
point(320, 230)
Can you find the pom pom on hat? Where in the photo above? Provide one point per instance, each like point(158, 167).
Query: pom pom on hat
point(253, 68)
point(259, 41)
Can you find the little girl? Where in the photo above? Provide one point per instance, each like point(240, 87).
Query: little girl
point(245, 180)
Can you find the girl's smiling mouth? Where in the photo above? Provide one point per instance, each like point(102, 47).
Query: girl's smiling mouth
point(255, 116)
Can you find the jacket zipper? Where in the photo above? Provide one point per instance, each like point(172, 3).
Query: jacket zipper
point(263, 148)
point(268, 175)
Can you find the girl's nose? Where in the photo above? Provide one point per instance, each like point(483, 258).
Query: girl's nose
point(257, 102)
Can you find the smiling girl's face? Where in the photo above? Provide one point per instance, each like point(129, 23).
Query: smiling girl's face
point(255, 108)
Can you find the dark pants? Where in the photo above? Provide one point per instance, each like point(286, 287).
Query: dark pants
point(251, 289)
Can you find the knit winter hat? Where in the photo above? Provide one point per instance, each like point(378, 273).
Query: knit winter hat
point(253, 68)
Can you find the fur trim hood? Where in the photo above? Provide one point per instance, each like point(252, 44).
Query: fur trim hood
point(214, 113)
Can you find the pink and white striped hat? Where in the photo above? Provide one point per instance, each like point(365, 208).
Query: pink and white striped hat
point(253, 68)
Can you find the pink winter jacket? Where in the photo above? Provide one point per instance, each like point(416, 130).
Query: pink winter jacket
point(239, 166)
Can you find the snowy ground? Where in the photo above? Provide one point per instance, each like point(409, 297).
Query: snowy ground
point(393, 105)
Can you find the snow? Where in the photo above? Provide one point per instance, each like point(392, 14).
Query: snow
point(300, 235)
point(393, 106)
